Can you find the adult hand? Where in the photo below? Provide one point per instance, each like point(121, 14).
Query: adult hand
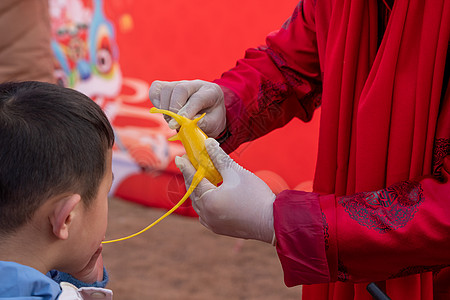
point(242, 206)
point(190, 99)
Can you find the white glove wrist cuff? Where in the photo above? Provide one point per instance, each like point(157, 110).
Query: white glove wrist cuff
point(274, 240)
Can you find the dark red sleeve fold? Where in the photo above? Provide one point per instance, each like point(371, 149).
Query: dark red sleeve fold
point(300, 238)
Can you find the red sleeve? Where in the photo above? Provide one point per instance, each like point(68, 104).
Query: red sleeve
point(300, 238)
point(274, 83)
point(401, 230)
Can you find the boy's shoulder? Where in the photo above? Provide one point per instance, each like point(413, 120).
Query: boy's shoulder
point(23, 282)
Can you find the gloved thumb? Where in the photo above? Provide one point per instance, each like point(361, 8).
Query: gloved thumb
point(220, 159)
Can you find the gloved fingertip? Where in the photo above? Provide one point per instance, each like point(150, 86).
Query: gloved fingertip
point(150, 93)
point(173, 124)
point(211, 143)
point(179, 162)
point(155, 90)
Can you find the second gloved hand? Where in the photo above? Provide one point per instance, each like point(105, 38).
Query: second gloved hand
point(242, 206)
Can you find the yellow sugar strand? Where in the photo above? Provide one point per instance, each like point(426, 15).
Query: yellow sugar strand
point(198, 176)
point(193, 140)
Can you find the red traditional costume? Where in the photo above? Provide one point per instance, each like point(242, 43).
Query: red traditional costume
point(380, 210)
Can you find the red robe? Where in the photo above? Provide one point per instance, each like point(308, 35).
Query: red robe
point(380, 210)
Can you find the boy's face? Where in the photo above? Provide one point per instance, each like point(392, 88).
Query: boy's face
point(94, 220)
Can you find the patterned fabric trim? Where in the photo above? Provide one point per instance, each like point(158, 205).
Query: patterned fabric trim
point(387, 209)
point(342, 272)
point(418, 269)
point(441, 150)
point(325, 232)
point(294, 15)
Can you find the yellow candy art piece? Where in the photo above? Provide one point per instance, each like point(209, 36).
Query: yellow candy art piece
point(193, 140)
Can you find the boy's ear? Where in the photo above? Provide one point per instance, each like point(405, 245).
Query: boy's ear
point(62, 215)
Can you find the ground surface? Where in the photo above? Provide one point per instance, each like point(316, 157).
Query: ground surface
point(180, 259)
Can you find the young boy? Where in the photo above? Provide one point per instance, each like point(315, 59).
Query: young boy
point(55, 175)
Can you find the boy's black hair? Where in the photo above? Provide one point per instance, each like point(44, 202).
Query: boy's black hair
point(53, 140)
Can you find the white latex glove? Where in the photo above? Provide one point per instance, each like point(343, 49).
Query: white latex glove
point(242, 206)
point(190, 99)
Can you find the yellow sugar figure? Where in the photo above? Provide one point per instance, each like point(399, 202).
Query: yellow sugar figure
point(193, 140)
